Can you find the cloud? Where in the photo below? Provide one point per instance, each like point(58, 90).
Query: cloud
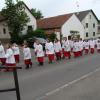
point(57, 7)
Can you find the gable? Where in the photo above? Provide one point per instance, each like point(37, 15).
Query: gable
point(81, 15)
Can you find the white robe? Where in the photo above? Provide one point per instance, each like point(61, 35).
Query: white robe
point(81, 45)
point(16, 50)
point(76, 47)
point(63, 41)
point(71, 43)
point(49, 48)
point(39, 50)
point(10, 56)
point(86, 45)
point(57, 47)
point(92, 44)
point(2, 52)
point(27, 53)
point(98, 45)
point(34, 45)
point(67, 46)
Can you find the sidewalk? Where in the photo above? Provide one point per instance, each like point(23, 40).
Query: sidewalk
point(86, 89)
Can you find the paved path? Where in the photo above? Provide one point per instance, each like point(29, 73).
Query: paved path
point(37, 82)
point(86, 89)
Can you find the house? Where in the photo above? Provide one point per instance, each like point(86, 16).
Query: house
point(4, 30)
point(89, 22)
point(32, 23)
point(66, 24)
point(99, 28)
point(63, 25)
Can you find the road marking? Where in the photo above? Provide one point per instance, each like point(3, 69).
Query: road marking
point(71, 83)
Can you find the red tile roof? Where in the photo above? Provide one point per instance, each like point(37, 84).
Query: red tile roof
point(53, 22)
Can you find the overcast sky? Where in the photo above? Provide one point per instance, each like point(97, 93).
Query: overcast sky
point(57, 7)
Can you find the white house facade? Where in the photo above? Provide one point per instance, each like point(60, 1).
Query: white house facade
point(32, 22)
point(90, 24)
point(62, 25)
point(4, 31)
point(73, 24)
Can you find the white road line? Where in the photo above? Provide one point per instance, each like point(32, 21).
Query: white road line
point(71, 83)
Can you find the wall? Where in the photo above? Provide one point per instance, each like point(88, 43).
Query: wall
point(3, 25)
point(72, 24)
point(90, 19)
point(32, 21)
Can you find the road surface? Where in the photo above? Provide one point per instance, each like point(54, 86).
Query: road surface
point(38, 82)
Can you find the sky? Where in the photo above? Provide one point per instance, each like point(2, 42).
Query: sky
point(57, 7)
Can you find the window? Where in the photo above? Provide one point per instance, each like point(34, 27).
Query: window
point(86, 25)
point(86, 34)
point(93, 33)
point(90, 16)
point(4, 31)
point(30, 27)
point(93, 25)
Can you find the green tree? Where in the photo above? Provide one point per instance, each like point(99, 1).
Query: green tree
point(37, 13)
point(52, 37)
point(16, 17)
point(99, 21)
point(37, 33)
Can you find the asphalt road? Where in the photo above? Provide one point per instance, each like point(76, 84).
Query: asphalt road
point(35, 83)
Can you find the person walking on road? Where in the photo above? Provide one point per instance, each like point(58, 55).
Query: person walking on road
point(39, 53)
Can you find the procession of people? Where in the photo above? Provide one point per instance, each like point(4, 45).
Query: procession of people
point(57, 50)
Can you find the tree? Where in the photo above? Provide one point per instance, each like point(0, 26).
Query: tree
point(16, 17)
point(52, 37)
point(37, 13)
point(99, 21)
point(37, 33)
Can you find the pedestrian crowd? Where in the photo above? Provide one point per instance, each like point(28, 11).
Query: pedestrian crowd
point(56, 50)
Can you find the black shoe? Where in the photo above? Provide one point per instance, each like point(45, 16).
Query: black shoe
point(27, 67)
point(41, 63)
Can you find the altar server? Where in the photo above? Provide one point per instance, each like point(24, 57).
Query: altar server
point(27, 56)
point(39, 53)
point(58, 49)
point(50, 51)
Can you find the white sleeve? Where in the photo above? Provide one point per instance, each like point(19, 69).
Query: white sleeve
point(8, 54)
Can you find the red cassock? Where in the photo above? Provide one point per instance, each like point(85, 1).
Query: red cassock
point(86, 51)
point(58, 54)
point(16, 58)
point(92, 50)
point(76, 54)
point(98, 50)
point(3, 60)
point(27, 61)
point(10, 65)
point(51, 57)
point(67, 53)
point(80, 53)
point(40, 59)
